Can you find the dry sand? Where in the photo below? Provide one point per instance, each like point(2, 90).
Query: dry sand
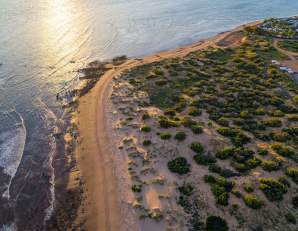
point(100, 162)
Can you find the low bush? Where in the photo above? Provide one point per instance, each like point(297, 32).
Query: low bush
point(179, 165)
point(225, 153)
point(145, 128)
point(215, 223)
point(192, 111)
point(236, 192)
point(197, 147)
point(263, 152)
point(272, 122)
point(203, 159)
point(180, 136)
point(220, 188)
point(237, 137)
point(223, 121)
point(215, 168)
point(188, 122)
point(291, 218)
point(248, 188)
point(137, 188)
point(293, 118)
point(145, 116)
point(165, 135)
point(252, 201)
point(279, 136)
point(146, 142)
point(209, 179)
point(165, 122)
point(186, 189)
point(269, 165)
point(196, 129)
point(273, 189)
point(283, 150)
point(293, 173)
point(295, 202)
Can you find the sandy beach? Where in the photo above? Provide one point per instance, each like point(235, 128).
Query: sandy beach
point(105, 175)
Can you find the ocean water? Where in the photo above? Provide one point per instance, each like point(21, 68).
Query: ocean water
point(44, 42)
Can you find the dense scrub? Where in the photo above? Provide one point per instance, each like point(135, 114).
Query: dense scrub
point(246, 104)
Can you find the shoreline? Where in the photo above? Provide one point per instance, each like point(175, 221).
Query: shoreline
point(94, 152)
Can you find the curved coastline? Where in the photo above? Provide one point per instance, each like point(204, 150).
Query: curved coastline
point(95, 157)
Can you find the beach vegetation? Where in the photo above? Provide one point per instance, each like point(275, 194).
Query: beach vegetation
point(179, 165)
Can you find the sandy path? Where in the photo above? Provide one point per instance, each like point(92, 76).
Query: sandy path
point(94, 155)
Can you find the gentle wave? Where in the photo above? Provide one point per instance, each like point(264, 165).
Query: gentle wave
point(12, 144)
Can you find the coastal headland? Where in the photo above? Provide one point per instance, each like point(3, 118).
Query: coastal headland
point(176, 140)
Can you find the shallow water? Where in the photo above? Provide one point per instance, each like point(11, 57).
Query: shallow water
point(44, 42)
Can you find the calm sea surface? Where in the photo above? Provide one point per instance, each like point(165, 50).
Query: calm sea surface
point(44, 42)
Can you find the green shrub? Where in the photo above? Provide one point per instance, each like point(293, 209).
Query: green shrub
point(180, 136)
point(263, 152)
point(179, 165)
point(215, 223)
point(158, 71)
point(165, 122)
point(145, 116)
point(165, 135)
point(215, 168)
point(145, 128)
point(237, 137)
point(146, 142)
point(248, 188)
point(192, 111)
point(295, 202)
point(137, 188)
point(170, 112)
point(186, 189)
point(197, 147)
point(188, 122)
point(283, 150)
point(291, 218)
point(272, 122)
point(209, 179)
point(225, 153)
point(273, 189)
point(223, 121)
point(269, 165)
point(252, 201)
point(204, 159)
point(236, 192)
point(161, 82)
point(280, 136)
point(196, 129)
point(293, 173)
point(293, 118)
